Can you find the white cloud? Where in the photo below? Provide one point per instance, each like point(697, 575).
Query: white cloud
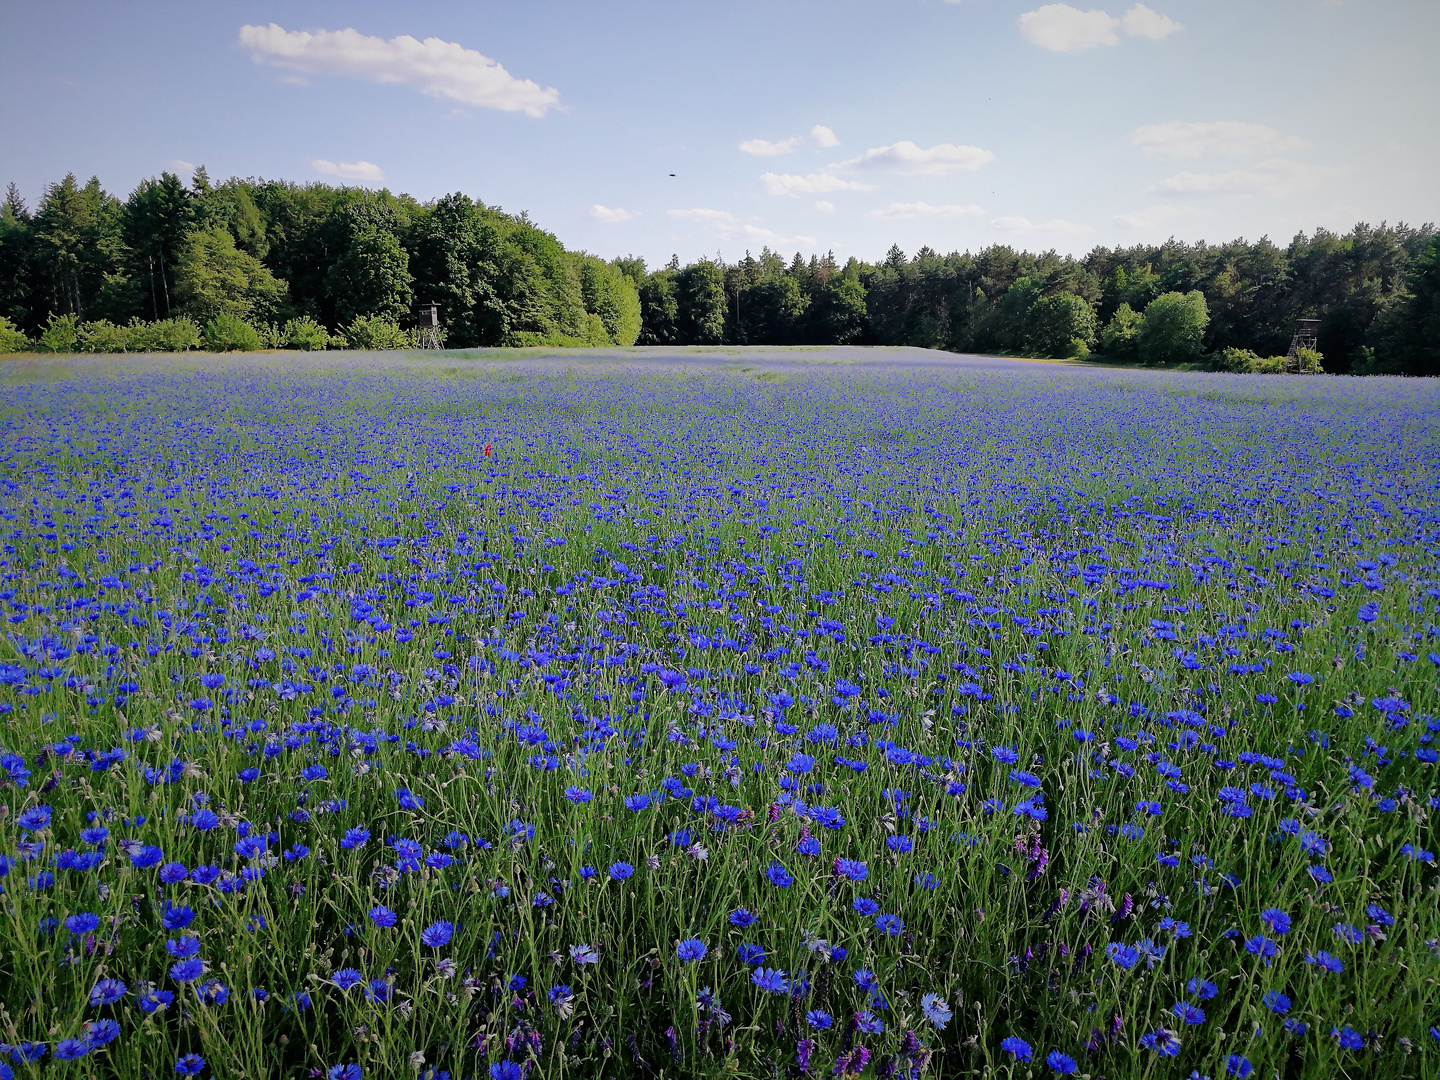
point(437, 68)
point(820, 135)
point(731, 228)
point(1062, 28)
point(178, 165)
point(1023, 226)
point(703, 215)
point(611, 214)
point(1233, 137)
point(815, 183)
point(825, 206)
point(899, 211)
point(1274, 177)
point(348, 170)
point(1141, 21)
point(1159, 215)
point(905, 156)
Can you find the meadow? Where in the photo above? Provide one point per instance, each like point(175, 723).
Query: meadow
point(715, 713)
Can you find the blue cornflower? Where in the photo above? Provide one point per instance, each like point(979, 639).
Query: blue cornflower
point(1124, 956)
point(1190, 1014)
point(935, 1010)
point(1006, 755)
point(187, 970)
point(153, 1000)
point(1162, 1040)
point(506, 1070)
point(382, 916)
point(176, 917)
point(1277, 920)
point(577, 795)
point(869, 1023)
point(345, 978)
point(1204, 989)
point(584, 954)
point(819, 1019)
point(751, 955)
point(1063, 1064)
point(771, 980)
point(82, 922)
point(852, 869)
point(71, 1049)
point(1261, 946)
point(354, 838)
point(865, 906)
point(33, 819)
point(1017, 1048)
point(690, 950)
point(102, 1032)
point(349, 1071)
point(865, 980)
point(1276, 1002)
point(190, 1065)
point(889, 924)
point(1237, 1065)
point(619, 871)
point(900, 844)
point(437, 934)
point(779, 876)
point(742, 917)
point(183, 946)
point(107, 991)
point(1323, 960)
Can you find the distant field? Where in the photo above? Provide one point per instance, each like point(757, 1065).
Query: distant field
point(721, 712)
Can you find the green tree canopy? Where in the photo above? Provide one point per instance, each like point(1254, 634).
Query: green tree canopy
point(372, 278)
point(700, 303)
point(213, 277)
point(1173, 329)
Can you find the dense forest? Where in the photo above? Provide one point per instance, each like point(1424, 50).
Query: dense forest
point(249, 263)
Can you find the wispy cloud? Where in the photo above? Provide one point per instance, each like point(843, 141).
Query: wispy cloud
point(729, 227)
point(1023, 226)
point(178, 165)
point(612, 214)
point(438, 68)
point(820, 135)
point(901, 211)
point(348, 170)
point(906, 157)
point(1235, 138)
point(815, 183)
point(1062, 28)
point(1274, 177)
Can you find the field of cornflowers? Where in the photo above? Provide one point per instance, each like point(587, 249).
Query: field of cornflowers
point(802, 715)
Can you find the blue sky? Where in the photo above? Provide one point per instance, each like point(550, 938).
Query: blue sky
point(803, 125)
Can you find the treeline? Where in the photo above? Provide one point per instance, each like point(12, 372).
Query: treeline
point(250, 263)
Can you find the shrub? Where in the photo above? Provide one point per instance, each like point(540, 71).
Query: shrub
point(375, 332)
point(11, 339)
point(1173, 329)
point(164, 335)
point(1120, 339)
point(103, 336)
point(228, 333)
point(1236, 361)
point(1245, 362)
point(60, 334)
point(306, 334)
